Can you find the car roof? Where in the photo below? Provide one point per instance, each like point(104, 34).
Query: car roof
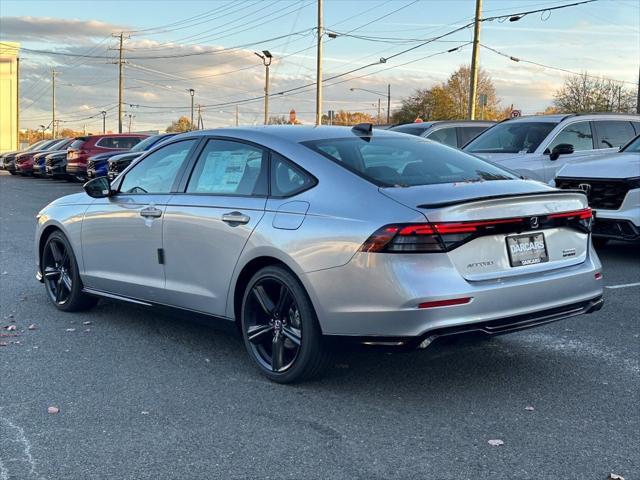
point(291, 133)
point(559, 117)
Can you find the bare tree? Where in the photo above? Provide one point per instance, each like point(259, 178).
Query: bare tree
point(586, 93)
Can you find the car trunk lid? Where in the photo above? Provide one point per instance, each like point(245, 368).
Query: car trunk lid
point(503, 228)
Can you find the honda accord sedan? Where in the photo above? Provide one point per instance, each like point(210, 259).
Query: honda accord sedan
point(301, 235)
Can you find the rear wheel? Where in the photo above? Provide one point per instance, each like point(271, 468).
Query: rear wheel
point(61, 277)
point(280, 329)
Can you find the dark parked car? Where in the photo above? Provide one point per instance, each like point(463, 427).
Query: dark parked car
point(85, 147)
point(118, 163)
point(39, 159)
point(455, 133)
point(8, 158)
point(56, 165)
point(23, 162)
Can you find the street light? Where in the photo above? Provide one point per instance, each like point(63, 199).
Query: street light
point(266, 61)
point(388, 95)
point(104, 120)
point(43, 129)
point(192, 92)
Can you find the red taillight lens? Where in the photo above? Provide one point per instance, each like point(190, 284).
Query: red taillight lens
point(445, 303)
point(584, 214)
point(412, 238)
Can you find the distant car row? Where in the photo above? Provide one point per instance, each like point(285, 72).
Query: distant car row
point(80, 158)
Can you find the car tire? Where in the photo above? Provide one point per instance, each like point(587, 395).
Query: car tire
point(61, 276)
point(599, 242)
point(280, 328)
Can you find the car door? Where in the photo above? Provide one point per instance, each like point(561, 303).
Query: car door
point(577, 134)
point(207, 225)
point(122, 234)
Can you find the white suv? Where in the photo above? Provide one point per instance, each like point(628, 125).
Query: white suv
point(538, 146)
point(612, 184)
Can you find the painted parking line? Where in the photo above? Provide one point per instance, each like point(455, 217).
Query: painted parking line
point(624, 285)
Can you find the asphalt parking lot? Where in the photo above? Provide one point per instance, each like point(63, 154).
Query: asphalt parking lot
point(146, 395)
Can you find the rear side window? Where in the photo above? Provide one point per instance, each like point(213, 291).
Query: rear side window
point(407, 161)
point(118, 142)
point(577, 134)
point(613, 133)
point(287, 179)
point(446, 136)
point(466, 134)
point(229, 168)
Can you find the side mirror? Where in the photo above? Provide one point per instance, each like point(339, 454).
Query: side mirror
point(98, 187)
point(561, 149)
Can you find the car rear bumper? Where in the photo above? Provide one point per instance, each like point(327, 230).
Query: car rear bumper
point(378, 295)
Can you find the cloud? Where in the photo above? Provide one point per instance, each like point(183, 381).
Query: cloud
point(54, 29)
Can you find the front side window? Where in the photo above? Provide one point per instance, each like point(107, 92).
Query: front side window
point(511, 137)
point(577, 134)
point(407, 161)
point(287, 179)
point(229, 168)
point(612, 133)
point(446, 136)
point(158, 172)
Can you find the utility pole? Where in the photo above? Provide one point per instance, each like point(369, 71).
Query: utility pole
point(237, 115)
point(638, 99)
point(319, 67)
point(192, 92)
point(53, 103)
point(379, 115)
point(130, 117)
point(266, 58)
point(200, 122)
point(120, 79)
point(104, 121)
point(388, 104)
point(474, 61)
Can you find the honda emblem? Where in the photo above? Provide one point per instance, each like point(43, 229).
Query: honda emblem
point(585, 187)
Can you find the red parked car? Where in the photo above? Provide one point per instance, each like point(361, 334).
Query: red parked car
point(84, 147)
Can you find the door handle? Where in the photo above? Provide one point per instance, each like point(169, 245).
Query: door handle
point(236, 218)
point(151, 212)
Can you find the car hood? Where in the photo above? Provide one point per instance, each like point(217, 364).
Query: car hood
point(73, 199)
point(617, 165)
point(125, 156)
point(449, 193)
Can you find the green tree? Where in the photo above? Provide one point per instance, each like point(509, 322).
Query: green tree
point(183, 124)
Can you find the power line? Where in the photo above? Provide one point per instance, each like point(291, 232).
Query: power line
point(550, 67)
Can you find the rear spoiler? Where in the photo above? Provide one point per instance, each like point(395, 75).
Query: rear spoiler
point(494, 197)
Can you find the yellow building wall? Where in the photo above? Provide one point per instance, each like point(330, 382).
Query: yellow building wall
point(8, 96)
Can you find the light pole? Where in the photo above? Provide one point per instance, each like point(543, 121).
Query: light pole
point(266, 61)
point(192, 92)
point(104, 121)
point(43, 129)
point(382, 94)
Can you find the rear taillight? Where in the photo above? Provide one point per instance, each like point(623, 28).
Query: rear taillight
point(445, 236)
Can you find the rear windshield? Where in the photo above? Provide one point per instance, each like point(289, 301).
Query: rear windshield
point(405, 162)
point(78, 143)
point(511, 137)
point(410, 129)
point(120, 143)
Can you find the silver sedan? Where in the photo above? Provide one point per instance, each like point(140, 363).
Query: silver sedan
point(302, 235)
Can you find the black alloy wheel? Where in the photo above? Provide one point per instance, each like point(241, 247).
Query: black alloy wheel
point(279, 327)
point(61, 277)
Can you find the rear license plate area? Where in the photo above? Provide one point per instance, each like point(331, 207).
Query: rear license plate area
point(529, 249)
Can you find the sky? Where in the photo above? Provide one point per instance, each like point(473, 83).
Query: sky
point(209, 47)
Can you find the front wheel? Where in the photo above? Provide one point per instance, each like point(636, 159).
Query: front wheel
point(61, 277)
point(280, 329)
